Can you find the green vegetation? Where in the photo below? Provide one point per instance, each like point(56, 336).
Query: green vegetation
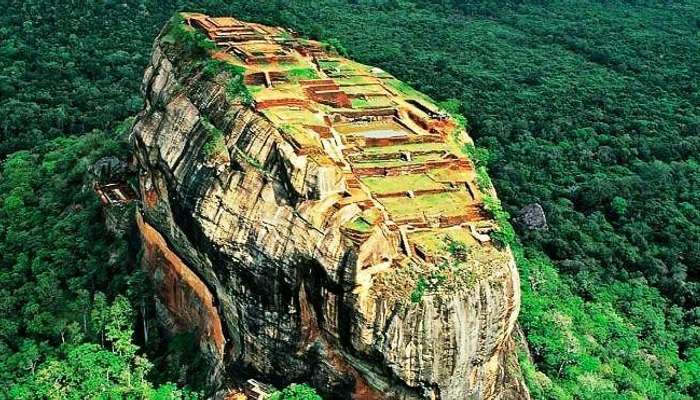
point(407, 90)
point(400, 183)
point(253, 162)
point(445, 203)
point(212, 67)
point(65, 328)
point(254, 89)
point(457, 249)
point(360, 224)
point(453, 266)
point(193, 42)
point(87, 370)
point(334, 45)
point(588, 108)
point(215, 144)
point(359, 103)
point(195, 45)
point(237, 90)
point(479, 156)
point(296, 392)
point(483, 181)
point(504, 234)
point(299, 74)
point(419, 291)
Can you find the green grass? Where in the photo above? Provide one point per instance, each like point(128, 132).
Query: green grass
point(352, 80)
point(400, 183)
point(360, 224)
point(411, 147)
point(359, 103)
point(300, 74)
point(212, 68)
point(254, 89)
point(407, 90)
point(447, 203)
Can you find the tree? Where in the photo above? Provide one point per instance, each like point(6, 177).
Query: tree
point(296, 392)
point(91, 371)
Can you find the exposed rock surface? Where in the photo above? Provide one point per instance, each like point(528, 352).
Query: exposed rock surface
point(109, 169)
point(277, 294)
point(532, 217)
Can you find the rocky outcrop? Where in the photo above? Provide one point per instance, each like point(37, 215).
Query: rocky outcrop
point(532, 217)
point(249, 250)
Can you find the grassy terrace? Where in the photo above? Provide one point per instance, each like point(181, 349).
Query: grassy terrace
point(397, 162)
point(413, 147)
point(406, 90)
point(303, 137)
point(447, 203)
point(435, 241)
point(359, 224)
point(355, 80)
point(401, 183)
point(365, 89)
point(451, 175)
point(372, 102)
point(365, 221)
point(296, 117)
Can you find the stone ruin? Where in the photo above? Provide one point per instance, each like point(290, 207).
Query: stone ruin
point(398, 154)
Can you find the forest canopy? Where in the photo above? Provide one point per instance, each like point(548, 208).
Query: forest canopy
point(589, 108)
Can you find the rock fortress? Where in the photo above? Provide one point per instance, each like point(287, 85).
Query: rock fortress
point(313, 219)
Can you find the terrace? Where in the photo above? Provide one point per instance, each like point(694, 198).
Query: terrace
point(398, 163)
point(262, 52)
point(384, 128)
point(223, 30)
point(434, 204)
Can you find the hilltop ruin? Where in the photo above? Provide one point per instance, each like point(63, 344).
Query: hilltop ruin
point(386, 151)
point(323, 217)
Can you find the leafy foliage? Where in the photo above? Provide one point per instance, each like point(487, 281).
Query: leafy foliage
point(59, 336)
point(586, 107)
point(215, 144)
point(419, 290)
point(88, 370)
point(296, 392)
point(192, 41)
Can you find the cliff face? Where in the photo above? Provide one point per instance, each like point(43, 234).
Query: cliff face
point(259, 251)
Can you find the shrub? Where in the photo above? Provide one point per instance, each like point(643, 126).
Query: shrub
point(458, 249)
point(483, 181)
point(334, 45)
point(479, 156)
point(237, 90)
point(296, 392)
point(419, 291)
point(215, 144)
point(504, 234)
point(190, 40)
